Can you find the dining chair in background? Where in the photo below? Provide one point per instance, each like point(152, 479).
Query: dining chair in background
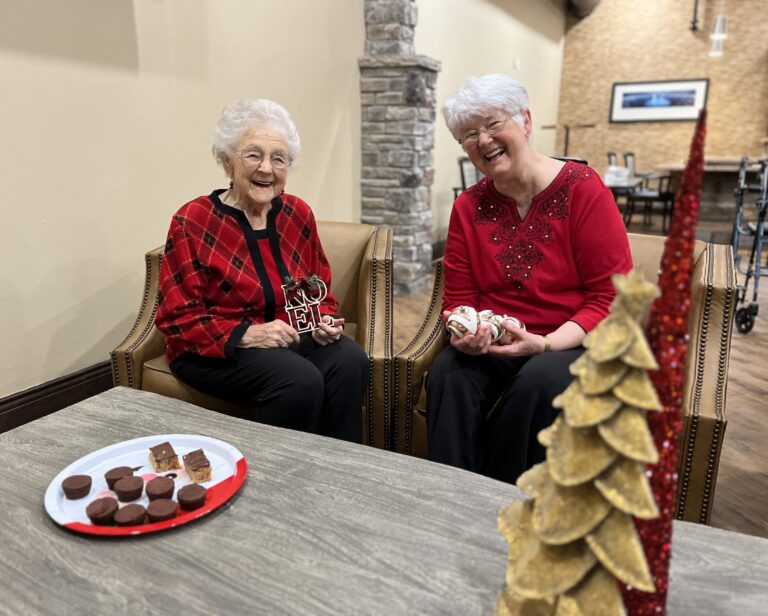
point(654, 196)
point(573, 159)
point(469, 176)
point(630, 162)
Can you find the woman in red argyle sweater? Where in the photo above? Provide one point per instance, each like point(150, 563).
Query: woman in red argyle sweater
point(223, 308)
point(538, 239)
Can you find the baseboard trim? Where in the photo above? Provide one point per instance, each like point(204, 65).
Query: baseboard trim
point(47, 398)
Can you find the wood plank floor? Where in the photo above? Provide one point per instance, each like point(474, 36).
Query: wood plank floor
point(741, 495)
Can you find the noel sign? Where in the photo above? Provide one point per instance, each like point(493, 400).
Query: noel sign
point(302, 302)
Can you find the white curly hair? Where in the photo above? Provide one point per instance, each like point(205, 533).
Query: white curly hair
point(479, 95)
point(237, 118)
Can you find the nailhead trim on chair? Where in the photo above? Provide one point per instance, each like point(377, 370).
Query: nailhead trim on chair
point(147, 327)
point(387, 364)
point(707, 493)
point(717, 435)
point(115, 369)
point(371, 320)
point(699, 382)
point(409, 370)
point(432, 302)
point(685, 476)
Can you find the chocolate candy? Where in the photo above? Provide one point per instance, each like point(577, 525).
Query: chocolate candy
point(102, 511)
point(130, 515)
point(161, 509)
point(160, 487)
point(163, 457)
point(113, 474)
point(191, 497)
point(198, 466)
point(129, 488)
point(76, 486)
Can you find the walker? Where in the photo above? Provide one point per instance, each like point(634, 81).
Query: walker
point(745, 316)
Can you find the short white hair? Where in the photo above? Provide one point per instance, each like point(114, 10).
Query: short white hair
point(237, 118)
point(479, 95)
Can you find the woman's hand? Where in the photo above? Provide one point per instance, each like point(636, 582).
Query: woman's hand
point(330, 330)
point(276, 334)
point(522, 343)
point(472, 344)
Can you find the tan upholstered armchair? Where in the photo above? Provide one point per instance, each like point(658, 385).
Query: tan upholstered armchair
point(710, 326)
point(361, 262)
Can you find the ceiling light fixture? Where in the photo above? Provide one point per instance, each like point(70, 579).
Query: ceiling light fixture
point(719, 33)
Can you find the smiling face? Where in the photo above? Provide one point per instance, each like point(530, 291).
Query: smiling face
point(501, 146)
point(255, 185)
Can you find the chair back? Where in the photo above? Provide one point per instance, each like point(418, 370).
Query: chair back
point(664, 184)
point(345, 244)
point(629, 163)
point(573, 159)
point(469, 173)
point(613, 160)
point(647, 250)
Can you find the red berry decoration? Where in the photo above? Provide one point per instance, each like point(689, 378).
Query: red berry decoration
point(668, 337)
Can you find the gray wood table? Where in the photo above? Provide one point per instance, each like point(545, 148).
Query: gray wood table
point(320, 527)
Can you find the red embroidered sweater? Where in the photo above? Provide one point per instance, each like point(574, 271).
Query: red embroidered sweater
point(219, 276)
point(552, 267)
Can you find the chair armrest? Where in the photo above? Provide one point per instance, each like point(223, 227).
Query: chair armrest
point(710, 325)
point(375, 335)
point(412, 362)
point(144, 341)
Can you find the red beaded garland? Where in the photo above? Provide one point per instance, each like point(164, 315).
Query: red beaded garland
point(668, 337)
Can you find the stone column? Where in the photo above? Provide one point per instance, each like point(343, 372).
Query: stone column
point(398, 120)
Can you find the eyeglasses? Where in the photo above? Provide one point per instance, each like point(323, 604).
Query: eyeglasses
point(254, 158)
point(492, 128)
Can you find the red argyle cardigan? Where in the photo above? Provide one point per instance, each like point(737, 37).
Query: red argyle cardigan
point(214, 282)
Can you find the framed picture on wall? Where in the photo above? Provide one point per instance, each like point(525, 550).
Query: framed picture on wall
point(658, 101)
point(469, 173)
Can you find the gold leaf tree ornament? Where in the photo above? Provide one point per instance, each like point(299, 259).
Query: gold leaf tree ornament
point(575, 540)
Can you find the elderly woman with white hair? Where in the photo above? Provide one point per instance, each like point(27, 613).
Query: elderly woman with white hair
point(223, 306)
point(538, 239)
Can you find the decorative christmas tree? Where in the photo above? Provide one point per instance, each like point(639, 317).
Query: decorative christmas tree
point(576, 538)
point(668, 337)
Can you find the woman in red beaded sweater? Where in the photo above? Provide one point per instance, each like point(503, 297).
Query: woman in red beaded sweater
point(223, 308)
point(538, 239)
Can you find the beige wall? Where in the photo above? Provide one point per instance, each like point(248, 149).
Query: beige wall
point(521, 38)
point(626, 40)
point(106, 118)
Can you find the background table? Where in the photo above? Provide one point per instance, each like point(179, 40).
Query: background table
point(320, 527)
point(623, 188)
point(719, 181)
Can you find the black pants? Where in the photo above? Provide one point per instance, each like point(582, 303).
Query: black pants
point(463, 389)
point(307, 387)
